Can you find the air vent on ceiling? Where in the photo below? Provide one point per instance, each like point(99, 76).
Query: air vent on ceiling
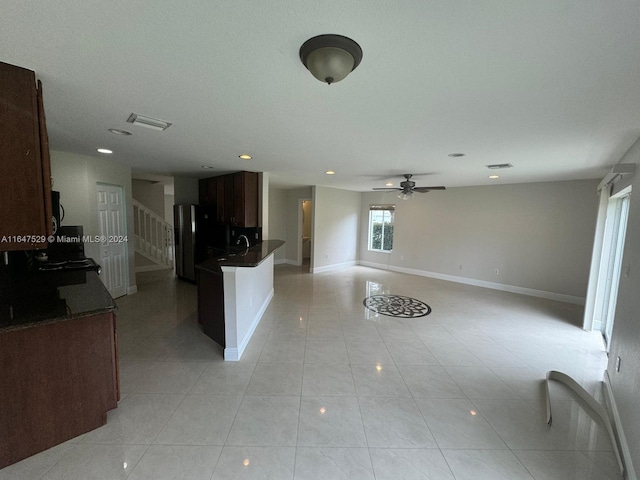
point(498, 166)
point(148, 122)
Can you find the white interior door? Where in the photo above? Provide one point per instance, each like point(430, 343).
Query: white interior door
point(113, 257)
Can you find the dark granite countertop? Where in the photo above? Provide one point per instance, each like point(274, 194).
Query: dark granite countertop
point(239, 256)
point(44, 297)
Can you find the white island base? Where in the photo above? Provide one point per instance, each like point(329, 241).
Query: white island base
point(247, 293)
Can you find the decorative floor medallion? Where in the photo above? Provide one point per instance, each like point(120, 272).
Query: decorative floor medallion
point(397, 306)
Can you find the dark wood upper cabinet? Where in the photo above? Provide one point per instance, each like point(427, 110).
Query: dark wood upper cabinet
point(46, 162)
point(203, 192)
point(219, 182)
point(229, 200)
point(235, 196)
point(245, 201)
point(25, 171)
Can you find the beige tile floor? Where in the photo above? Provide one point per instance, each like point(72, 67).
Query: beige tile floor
point(328, 390)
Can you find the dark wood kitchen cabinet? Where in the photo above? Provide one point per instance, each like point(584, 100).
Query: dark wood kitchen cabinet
point(203, 192)
point(25, 171)
point(59, 379)
point(235, 196)
point(211, 304)
point(219, 188)
point(245, 199)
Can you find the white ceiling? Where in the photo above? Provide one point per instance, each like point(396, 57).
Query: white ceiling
point(552, 87)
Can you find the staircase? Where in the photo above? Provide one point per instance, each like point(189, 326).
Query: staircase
point(153, 238)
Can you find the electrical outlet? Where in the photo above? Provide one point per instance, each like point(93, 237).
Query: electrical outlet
point(618, 360)
point(497, 271)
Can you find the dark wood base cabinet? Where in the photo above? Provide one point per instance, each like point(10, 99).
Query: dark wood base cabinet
point(58, 380)
point(211, 305)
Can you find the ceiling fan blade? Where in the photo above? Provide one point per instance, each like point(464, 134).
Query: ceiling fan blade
point(427, 189)
point(388, 189)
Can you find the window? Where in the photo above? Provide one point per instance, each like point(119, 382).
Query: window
point(381, 227)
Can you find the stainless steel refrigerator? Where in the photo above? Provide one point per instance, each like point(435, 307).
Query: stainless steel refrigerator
point(195, 229)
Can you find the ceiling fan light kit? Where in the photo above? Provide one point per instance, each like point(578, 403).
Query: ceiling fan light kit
point(330, 58)
point(408, 188)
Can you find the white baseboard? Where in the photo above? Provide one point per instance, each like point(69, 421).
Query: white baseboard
point(132, 289)
point(617, 422)
point(479, 283)
point(335, 266)
point(234, 354)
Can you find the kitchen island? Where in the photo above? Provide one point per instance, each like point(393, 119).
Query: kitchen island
point(235, 287)
point(58, 360)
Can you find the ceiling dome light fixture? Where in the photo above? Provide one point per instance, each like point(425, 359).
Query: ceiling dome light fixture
point(106, 151)
point(244, 156)
point(330, 58)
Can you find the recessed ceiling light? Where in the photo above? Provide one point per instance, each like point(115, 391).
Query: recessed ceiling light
point(454, 155)
point(206, 166)
point(244, 156)
point(105, 151)
point(389, 184)
point(330, 172)
point(494, 176)
point(117, 131)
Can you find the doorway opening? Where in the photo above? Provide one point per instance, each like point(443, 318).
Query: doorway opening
point(305, 221)
point(611, 263)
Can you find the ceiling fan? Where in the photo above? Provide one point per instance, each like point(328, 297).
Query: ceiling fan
point(408, 187)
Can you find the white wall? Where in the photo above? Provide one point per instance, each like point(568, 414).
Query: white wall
point(538, 235)
point(625, 340)
point(336, 221)
point(76, 178)
point(278, 221)
point(151, 195)
point(284, 207)
point(247, 293)
point(169, 201)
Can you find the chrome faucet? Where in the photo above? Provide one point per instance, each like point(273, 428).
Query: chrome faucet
point(245, 239)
